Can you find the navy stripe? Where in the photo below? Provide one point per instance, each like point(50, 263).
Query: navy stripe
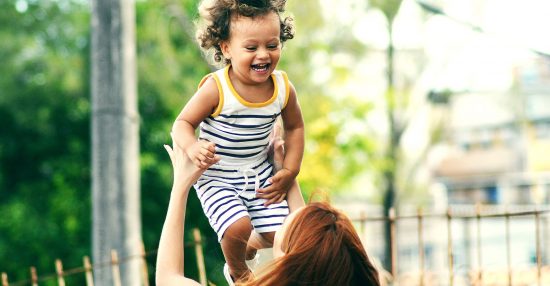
point(249, 200)
point(236, 134)
point(257, 126)
point(200, 185)
point(264, 208)
point(220, 188)
point(234, 171)
point(229, 206)
point(239, 155)
point(232, 181)
point(243, 182)
point(234, 140)
point(211, 196)
point(268, 216)
point(221, 170)
point(218, 200)
point(241, 148)
point(274, 115)
point(225, 221)
point(266, 225)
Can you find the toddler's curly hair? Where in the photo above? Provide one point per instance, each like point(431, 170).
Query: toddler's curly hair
point(215, 21)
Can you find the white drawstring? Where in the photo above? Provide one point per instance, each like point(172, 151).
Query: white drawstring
point(257, 180)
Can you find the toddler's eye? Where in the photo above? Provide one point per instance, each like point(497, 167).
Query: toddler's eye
point(250, 48)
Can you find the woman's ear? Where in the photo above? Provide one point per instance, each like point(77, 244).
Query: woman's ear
point(224, 46)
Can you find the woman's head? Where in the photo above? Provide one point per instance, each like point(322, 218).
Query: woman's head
point(218, 15)
point(319, 246)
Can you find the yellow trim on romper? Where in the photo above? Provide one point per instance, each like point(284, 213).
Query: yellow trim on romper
point(247, 103)
point(220, 92)
point(287, 88)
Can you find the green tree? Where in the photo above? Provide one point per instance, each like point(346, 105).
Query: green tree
point(44, 138)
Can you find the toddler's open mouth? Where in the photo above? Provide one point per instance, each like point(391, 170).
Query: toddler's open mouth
point(260, 67)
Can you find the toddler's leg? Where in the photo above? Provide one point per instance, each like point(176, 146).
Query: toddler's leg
point(233, 246)
point(256, 241)
point(268, 236)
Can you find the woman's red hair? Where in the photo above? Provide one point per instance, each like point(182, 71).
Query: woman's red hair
point(321, 248)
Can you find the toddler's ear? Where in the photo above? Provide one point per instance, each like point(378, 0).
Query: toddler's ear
point(224, 46)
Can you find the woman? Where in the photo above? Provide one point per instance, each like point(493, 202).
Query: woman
point(317, 244)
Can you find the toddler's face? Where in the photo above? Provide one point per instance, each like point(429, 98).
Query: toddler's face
point(254, 47)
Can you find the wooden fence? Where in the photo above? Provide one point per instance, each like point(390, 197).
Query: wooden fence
point(540, 275)
point(87, 267)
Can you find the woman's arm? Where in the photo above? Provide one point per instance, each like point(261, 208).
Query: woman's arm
point(171, 252)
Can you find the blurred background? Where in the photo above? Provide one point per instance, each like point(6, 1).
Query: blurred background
point(439, 105)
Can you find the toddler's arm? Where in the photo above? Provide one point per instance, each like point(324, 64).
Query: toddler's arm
point(277, 154)
point(294, 136)
point(200, 106)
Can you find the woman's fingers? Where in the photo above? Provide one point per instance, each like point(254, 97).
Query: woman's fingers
point(170, 153)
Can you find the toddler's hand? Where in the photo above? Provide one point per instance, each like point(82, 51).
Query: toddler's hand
point(280, 184)
point(203, 154)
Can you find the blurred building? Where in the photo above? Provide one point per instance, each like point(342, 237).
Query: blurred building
point(500, 142)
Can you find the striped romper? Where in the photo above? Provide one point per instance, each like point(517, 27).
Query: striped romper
point(241, 131)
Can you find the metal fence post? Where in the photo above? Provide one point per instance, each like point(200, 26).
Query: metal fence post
point(450, 246)
point(421, 245)
point(538, 248)
point(479, 252)
point(508, 248)
point(393, 242)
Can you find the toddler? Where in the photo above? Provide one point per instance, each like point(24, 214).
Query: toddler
point(236, 109)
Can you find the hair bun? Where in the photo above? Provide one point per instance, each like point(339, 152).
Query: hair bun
point(254, 3)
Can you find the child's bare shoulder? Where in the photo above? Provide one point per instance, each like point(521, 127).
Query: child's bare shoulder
point(208, 91)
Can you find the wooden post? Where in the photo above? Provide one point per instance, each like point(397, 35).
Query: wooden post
point(5, 279)
point(115, 268)
point(200, 256)
point(421, 246)
point(450, 246)
point(144, 270)
point(88, 269)
point(59, 271)
point(34, 277)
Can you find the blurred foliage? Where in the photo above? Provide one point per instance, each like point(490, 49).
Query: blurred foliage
point(44, 138)
point(45, 207)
